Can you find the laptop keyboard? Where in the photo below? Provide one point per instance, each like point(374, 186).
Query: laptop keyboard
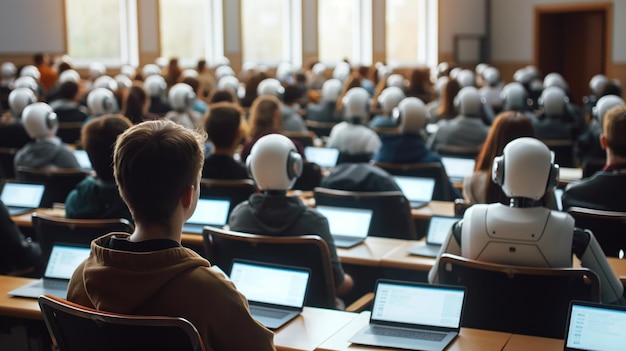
point(264, 312)
point(405, 333)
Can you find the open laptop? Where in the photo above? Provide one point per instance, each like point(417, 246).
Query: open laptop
point(595, 326)
point(457, 168)
point(558, 197)
point(209, 212)
point(325, 157)
point(21, 197)
point(275, 293)
point(348, 226)
point(413, 316)
point(82, 158)
point(418, 190)
point(63, 260)
point(438, 229)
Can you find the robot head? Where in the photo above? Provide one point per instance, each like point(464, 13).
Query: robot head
point(101, 101)
point(161, 62)
point(514, 97)
point(553, 100)
point(189, 72)
point(228, 82)
point(604, 104)
point(355, 104)
point(19, 98)
point(389, 98)
point(331, 89)
point(150, 69)
point(30, 71)
point(123, 81)
point(411, 115)
point(466, 78)
point(525, 169)
point(105, 82)
point(274, 163)
point(342, 71)
point(155, 85)
point(97, 69)
point(396, 80)
point(270, 86)
point(480, 68)
point(222, 61)
point(223, 71)
point(181, 97)
point(440, 83)
point(318, 69)
point(285, 72)
point(555, 80)
point(128, 70)
point(491, 75)
point(9, 70)
point(597, 82)
point(468, 101)
point(69, 75)
point(26, 82)
point(39, 120)
point(523, 76)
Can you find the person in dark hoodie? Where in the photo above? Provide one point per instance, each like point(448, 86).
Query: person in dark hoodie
point(272, 212)
point(97, 196)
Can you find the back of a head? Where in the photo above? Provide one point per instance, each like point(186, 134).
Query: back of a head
point(342, 71)
point(604, 104)
point(9, 70)
point(525, 169)
point(355, 104)
point(153, 154)
point(514, 97)
point(412, 114)
point(223, 71)
point(181, 97)
point(30, 71)
point(596, 83)
point(614, 129)
point(150, 69)
point(135, 99)
point(20, 98)
point(39, 120)
point(97, 69)
point(223, 123)
point(553, 100)
point(396, 80)
point(228, 82)
point(155, 85)
point(98, 139)
point(319, 69)
point(468, 101)
point(274, 163)
point(466, 78)
point(221, 95)
point(123, 81)
point(26, 82)
point(69, 75)
point(101, 101)
point(270, 86)
point(390, 97)
point(67, 90)
point(359, 177)
point(554, 79)
point(105, 82)
point(265, 115)
point(491, 75)
point(331, 89)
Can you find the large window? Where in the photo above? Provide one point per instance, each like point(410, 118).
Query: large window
point(271, 31)
point(411, 32)
point(102, 31)
point(344, 31)
point(191, 30)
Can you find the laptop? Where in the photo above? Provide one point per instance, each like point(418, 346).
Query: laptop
point(275, 293)
point(325, 157)
point(438, 229)
point(595, 326)
point(20, 198)
point(418, 190)
point(209, 212)
point(348, 226)
point(457, 168)
point(63, 260)
point(413, 316)
point(82, 158)
point(558, 196)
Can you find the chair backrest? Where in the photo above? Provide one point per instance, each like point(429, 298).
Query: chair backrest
point(306, 138)
point(609, 228)
point(53, 229)
point(73, 327)
point(429, 170)
point(222, 246)
point(69, 132)
point(391, 210)
point(236, 190)
point(520, 300)
point(458, 151)
point(58, 181)
point(7, 168)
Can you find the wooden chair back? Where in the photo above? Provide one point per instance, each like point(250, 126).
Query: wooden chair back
point(609, 228)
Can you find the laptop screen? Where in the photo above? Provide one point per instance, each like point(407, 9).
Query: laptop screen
point(276, 285)
point(22, 195)
point(419, 304)
point(457, 167)
point(416, 188)
point(82, 158)
point(64, 260)
point(325, 157)
point(210, 212)
point(346, 221)
point(438, 229)
point(593, 326)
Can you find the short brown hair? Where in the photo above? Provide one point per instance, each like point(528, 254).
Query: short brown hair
point(154, 162)
point(222, 122)
point(98, 139)
point(263, 116)
point(614, 129)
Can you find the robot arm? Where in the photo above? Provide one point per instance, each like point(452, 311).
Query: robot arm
point(452, 245)
point(586, 248)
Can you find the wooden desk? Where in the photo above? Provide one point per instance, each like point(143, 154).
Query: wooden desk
point(311, 328)
point(443, 208)
point(519, 342)
point(400, 258)
point(370, 252)
point(17, 306)
point(468, 339)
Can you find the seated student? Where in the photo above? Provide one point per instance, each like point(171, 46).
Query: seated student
point(100, 102)
point(181, 97)
point(136, 105)
point(604, 190)
point(292, 120)
point(389, 99)
point(17, 252)
point(225, 129)
point(326, 109)
point(525, 171)
point(359, 176)
point(198, 104)
point(275, 165)
point(97, 196)
point(589, 147)
point(149, 271)
point(46, 150)
point(65, 103)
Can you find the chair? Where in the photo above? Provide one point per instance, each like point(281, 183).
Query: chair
point(609, 228)
point(58, 181)
point(222, 246)
point(7, 169)
point(51, 229)
point(236, 190)
point(391, 210)
point(345, 157)
point(76, 328)
point(306, 138)
point(321, 129)
point(458, 151)
point(563, 152)
point(519, 300)
point(69, 132)
point(428, 170)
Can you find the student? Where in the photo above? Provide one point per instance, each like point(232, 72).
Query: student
point(275, 165)
point(148, 271)
point(97, 196)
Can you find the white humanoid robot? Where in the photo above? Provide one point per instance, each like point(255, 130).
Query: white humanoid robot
point(524, 233)
point(101, 101)
point(180, 98)
point(19, 98)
